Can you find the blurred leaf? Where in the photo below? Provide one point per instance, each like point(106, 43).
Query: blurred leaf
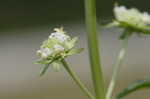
point(141, 84)
point(112, 24)
point(72, 42)
point(44, 69)
point(43, 62)
point(75, 51)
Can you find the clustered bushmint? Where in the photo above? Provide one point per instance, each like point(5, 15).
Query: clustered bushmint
point(131, 19)
point(58, 46)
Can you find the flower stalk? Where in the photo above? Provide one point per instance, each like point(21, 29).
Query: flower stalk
point(97, 76)
point(77, 80)
point(117, 65)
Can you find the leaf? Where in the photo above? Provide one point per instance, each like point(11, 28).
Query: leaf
point(43, 62)
point(75, 51)
point(141, 84)
point(44, 69)
point(74, 40)
point(112, 24)
point(71, 43)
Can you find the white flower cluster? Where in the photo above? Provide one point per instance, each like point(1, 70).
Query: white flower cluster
point(132, 15)
point(56, 43)
point(57, 47)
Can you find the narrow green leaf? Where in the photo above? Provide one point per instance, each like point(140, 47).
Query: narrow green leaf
point(113, 24)
point(134, 87)
point(43, 62)
point(75, 51)
point(44, 69)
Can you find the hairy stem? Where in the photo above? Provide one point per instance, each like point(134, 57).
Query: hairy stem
point(97, 76)
point(77, 80)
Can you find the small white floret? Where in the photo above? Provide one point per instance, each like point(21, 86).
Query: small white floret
point(44, 52)
point(47, 51)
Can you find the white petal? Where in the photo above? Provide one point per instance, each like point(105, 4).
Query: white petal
point(58, 47)
point(44, 52)
point(59, 36)
point(44, 55)
point(47, 51)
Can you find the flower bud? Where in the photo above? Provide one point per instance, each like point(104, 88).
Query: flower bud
point(58, 46)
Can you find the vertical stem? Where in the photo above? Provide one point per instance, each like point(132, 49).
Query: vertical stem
point(90, 13)
point(77, 80)
point(116, 69)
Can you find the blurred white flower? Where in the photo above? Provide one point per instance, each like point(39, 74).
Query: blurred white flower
point(131, 19)
point(131, 16)
point(146, 17)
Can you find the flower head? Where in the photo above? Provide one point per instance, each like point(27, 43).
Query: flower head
point(58, 46)
point(131, 16)
point(131, 19)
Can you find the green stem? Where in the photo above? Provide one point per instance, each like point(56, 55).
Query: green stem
point(77, 80)
point(97, 76)
point(117, 67)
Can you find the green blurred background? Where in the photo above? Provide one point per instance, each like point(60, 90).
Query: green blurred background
point(24, 24)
